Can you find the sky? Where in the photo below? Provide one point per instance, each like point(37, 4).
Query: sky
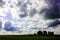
point(29, 16)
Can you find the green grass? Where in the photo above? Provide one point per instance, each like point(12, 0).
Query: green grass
point(28, 37)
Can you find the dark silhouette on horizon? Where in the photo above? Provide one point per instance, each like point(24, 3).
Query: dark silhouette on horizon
point(50, 33)
point(44, 33)
point(39, 33)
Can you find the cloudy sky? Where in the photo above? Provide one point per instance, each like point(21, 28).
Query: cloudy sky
point(29, 16)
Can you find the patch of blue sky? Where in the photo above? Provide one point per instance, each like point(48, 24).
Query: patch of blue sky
point(8, 15)
point(8, 26)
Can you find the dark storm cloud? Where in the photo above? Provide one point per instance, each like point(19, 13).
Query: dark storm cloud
point(24, 7)
point(54, 11)
point(19, 3)
point(32, 12)
point(24, 10)
point(8, 26)
point(28, 2)
point(43, 10)
point(11, 6)
point(0, 24)
point(23, 15)
point(54, 23)
point(53, 1)
point(34, 28)
point(1, 3)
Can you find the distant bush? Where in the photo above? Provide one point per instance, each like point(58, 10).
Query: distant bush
point(50, 33)
point(39, 33)
point(44, 33)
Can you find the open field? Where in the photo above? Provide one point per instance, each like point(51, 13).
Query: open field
point(29, 37)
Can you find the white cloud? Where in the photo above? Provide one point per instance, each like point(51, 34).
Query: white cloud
point(25, 24)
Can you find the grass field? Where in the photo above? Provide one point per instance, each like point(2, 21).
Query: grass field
point(29, 37)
